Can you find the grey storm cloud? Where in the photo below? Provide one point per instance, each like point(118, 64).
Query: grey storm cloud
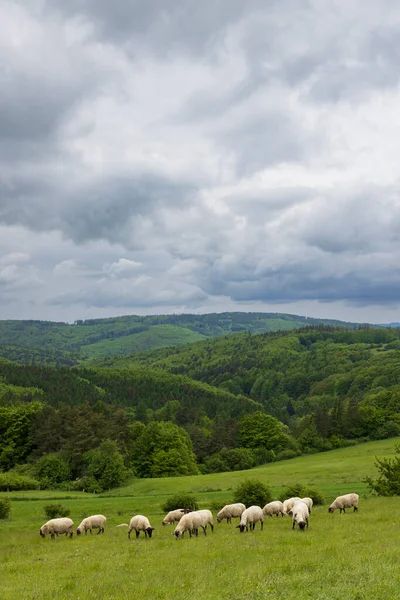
point(182, 156)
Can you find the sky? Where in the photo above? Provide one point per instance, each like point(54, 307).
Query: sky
point(168, 157)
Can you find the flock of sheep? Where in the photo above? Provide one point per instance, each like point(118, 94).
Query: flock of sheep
point(298, 508)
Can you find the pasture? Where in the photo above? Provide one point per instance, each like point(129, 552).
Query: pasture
point(353, 555)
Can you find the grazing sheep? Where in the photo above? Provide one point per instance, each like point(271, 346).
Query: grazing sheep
point(57, 526)
point(273, 508)
point(93, 522)
point(309, 502)
point(230, 511)
point(343, 502)
point(289, 503)
point(140, 523)
point(192, 521)
point(250, 517)
point(300, 515)
point(174, 516)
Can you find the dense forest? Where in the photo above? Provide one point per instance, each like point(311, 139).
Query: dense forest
point(58, 344)
point(226, 403)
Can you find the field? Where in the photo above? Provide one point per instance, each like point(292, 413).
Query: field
point(353, 555)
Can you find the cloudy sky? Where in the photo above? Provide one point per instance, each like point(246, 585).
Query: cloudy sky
point(161, 156)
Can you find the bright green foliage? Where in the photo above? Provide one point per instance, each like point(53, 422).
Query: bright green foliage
point(105, 466)
point(252, 492)
point(263, 431)
point(5, 508)
point(303, 491)
point(51, 470)
point(56, 510)
point(163, 449)
point(180, 501)
point(14, 482)
point(388, 482)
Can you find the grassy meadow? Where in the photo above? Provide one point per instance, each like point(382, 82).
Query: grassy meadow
point(353, 555)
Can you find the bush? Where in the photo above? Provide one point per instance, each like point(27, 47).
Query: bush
point(286, 454)
point(13, 482)
point(53, 511)
point(5, 508)
point(388, 482)
point(216, 506)
point(180, 501)
point(252, 492)
point(302, 491)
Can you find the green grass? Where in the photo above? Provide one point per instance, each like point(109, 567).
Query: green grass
point(353, 555)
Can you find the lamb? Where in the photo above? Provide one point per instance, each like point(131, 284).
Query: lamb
point(230, 511)
point(140, 523)
point(57, 526)
point(273, 508)
point(192, 521)
point(289, 503)
point(174, 516)
point(300, 515)
point(309, 502)
point(93, 522)
point(250, 517)
point(343, 502)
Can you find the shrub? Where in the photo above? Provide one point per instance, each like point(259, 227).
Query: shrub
point(302, 491)
point(252, 491)
point(5, 508)
point(13, 482)
point(286, 454)
point(55, 510)
point(388, 482)
point(180, 501)
point(216, 506)
point(297, 489)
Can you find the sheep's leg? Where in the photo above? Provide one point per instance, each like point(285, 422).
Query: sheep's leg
point(294, 523)
point(99, 531)
point(212, 527)
point(190, 533)
point(262, 525)
point(138, 533)
point(355, 509)
point(204, 529)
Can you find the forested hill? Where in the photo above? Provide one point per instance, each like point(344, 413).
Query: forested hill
point(51, 343)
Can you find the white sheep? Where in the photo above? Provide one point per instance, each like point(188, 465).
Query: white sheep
point(273, 508)
point(57, 526)
point(140, 523)
point(300, 514)
point(230, 511)
point(343, 502)
point(250, 517)
point(309, 502)
point(174, 516)
point(289, 503)
point(93, 522)
point(192, 521)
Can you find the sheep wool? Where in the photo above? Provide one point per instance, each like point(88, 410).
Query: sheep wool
point(140, 523)
point(273, 508)
point(230, 511)
point(250, 517)
point(289, 503)
point(93, 522)
point(57, 527)
point(192, 521)
point(309, 502)
point(174, 516)
point(300, 515)
point(343, 502)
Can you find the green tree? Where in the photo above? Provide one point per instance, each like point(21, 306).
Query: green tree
point(106, 465)
point(51, 470)
point(160, 443)
point(252, 492)
point(260, 430)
